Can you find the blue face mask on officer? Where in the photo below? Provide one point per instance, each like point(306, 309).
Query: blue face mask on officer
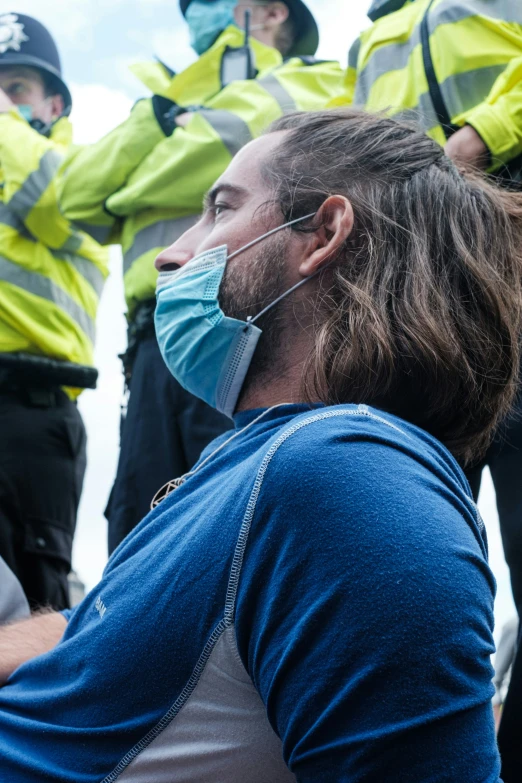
point(207, 20)
point(207, 352)
point(27, 112)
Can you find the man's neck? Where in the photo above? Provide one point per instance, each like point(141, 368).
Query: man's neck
point(273, 388)
point(274, 393)
point(278, 375)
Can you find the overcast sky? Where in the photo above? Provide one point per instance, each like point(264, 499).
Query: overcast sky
point(98, 40)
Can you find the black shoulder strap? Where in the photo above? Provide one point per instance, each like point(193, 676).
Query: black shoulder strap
point(433, 84)
point(510, 175)
point(307, 59)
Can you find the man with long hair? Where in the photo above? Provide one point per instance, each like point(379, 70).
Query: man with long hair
point(312, 601)
point(143, 185)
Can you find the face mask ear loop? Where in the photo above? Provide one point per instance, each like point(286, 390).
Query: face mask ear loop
point(269, 234)
point(252, 320)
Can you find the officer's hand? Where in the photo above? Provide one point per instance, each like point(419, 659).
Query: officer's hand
point(182, 120)
point(466, 146)
point(6, 104)
point(497, 712)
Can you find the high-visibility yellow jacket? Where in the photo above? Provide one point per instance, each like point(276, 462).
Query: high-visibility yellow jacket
point(476, 48)
point(51, 273)
point(144, 189)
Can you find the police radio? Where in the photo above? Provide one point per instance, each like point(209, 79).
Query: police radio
point(238, 63)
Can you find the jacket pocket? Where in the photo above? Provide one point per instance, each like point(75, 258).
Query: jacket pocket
point(48, 539)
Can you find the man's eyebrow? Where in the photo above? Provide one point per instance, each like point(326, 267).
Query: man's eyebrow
point(233, 190)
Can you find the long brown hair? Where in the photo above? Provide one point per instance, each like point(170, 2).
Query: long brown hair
point(421, 314)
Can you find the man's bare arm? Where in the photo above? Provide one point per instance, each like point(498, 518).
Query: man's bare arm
point(22, 641)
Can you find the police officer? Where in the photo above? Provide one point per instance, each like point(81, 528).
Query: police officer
point(456, 67)
point(143, 185)
point(51, 276)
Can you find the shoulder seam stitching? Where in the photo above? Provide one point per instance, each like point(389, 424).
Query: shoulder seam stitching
point(174, 710)
point(242, 541)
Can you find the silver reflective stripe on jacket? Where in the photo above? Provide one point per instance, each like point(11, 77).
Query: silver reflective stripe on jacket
point(423, 113)
point(158, 235)
point(353, 54)
point(279, 93)
point(100, 234)
point(11, 219)
point(87, 269)
point(233, 131)
point(395, 56)
point(72, 243)
point(42, 286)
point(463, 91)
point(35, 185)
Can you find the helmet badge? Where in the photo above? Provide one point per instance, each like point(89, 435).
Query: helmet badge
point(11, 33)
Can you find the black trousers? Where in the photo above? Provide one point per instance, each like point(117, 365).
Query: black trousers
point(510, 731)
point(504, 459)
point(163, 434)
point(42, 465)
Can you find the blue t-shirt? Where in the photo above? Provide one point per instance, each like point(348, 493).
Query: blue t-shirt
point(313, 605)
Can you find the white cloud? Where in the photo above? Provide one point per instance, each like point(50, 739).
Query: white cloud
point(75, 19)
point(71, 19)
point(339, 24)
point(173, 48)
point(120, 66)
point(101, 413)
point(97, 110)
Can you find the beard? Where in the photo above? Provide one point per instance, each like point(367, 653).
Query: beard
point(247, 292)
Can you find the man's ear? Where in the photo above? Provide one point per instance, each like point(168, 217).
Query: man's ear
point(335, 219)
point(57, 106)
point(276, 14)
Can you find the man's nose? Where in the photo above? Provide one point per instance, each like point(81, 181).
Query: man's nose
point(172, 258)
point(180, 252)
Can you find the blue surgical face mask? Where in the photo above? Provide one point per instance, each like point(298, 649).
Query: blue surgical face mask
point(207, 20)
point(26, 110)
point(208, 353)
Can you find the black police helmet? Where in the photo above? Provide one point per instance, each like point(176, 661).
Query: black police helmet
point(25, 41)
point(306, 30)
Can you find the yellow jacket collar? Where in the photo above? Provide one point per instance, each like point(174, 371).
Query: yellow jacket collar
point(62, 132)
point(202, 79)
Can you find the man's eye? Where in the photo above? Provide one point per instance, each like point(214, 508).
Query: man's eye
point(217, 209)
point(15, 89)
